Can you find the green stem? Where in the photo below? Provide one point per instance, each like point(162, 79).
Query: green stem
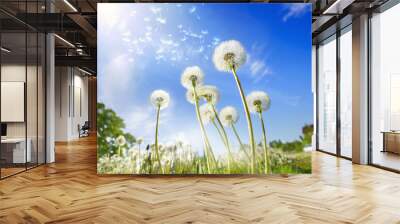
point(240, 141)
point(139, 152)
point(207, 147)
point(249, 124)
point(156, 140)
point(266, 156)
point(225, 143)
point(224, 137)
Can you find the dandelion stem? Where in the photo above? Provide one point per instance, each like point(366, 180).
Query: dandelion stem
point(207, 147)
point(225, 143)
point(156, 140)
point(240, 141)
point(139, 151)
point(224, 137)
point(248, 118)
point(266, 156)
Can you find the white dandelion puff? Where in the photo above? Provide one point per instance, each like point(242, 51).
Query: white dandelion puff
point(210, 94)
point(229, 54)
point(160, 98)
point(139, 140)
point(207, 113)
point(190, 97)
point(258, 101)
point(192, 75)
point(228, 116)
point(120, 140)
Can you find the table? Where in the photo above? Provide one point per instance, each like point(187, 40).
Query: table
point(13, 150)
point(391, 141)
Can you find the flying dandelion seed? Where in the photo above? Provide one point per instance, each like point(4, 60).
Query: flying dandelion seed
point(259, 101)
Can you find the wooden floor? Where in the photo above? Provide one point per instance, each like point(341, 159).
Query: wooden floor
point(69, 191)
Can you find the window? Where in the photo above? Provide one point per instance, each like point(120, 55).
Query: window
point(385, 89)
point(327, 95)
point(346, 92)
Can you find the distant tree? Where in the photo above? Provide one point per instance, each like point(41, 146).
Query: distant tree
point(296, 145)
point(308, 131)
point(109, 127)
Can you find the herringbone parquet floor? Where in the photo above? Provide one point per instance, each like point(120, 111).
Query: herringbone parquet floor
point(69, 191)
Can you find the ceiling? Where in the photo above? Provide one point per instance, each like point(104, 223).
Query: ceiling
point(75, 22)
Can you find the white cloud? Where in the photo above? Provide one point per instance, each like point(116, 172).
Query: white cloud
point(142, 119)
point(204, 32)
point(259, 70)
point(295, 10)
point(127, 33)
point(180, 26)
point(146, 19)
point(192, 9)
point(115, 79)
point(161, 20)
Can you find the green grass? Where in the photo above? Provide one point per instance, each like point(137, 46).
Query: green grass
point(181, 160)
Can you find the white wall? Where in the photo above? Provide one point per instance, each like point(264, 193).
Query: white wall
point(70, 83)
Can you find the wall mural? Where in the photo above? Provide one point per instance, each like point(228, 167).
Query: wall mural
point(204, 88)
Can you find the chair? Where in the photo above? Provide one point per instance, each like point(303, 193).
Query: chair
point(84, 130)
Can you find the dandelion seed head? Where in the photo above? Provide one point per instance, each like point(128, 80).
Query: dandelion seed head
point(139, 140)
point(258, 101)
point(120, 140)
point(228, 116)
point(190, 96)
point(159, 98)
point(229, 54)
point(210, 94)
point(207, 113)
point(192, 75)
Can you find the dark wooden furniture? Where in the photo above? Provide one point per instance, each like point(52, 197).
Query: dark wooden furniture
point(391, 141)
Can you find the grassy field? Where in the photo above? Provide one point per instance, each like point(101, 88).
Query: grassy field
point(181, 159)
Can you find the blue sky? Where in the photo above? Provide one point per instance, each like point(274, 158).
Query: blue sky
point(143, 47)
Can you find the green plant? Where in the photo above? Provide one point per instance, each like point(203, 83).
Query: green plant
point(109, 127)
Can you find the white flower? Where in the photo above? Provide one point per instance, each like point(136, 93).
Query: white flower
point(190, 75)
point(229, 54)
point(120, 140)
point(139, 140)
point(210, 93)
point(159, 98)
point(258, 101)
point(207, 113)
point(228, 116)
point(190, 96)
